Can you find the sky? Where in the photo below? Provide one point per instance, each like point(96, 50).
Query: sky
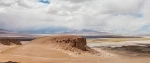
point(115, 16)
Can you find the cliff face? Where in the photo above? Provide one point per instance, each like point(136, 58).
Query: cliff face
point(67, 43)
point(71, 43)
point(8, 41)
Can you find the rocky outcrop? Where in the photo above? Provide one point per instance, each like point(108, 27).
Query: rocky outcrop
point(11, 62)
point(69, 42)
point(8, 41)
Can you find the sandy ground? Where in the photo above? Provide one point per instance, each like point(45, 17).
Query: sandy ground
point(60, 56)
point(118, 44)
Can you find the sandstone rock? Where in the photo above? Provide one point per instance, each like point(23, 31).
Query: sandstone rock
point(8, 41)
point(10, 62)
point(67, 42)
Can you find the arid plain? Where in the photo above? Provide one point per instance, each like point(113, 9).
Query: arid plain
point(49, 50)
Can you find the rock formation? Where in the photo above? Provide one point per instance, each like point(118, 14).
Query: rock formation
point(8, 41)
point(69, 42)
point(10, 62)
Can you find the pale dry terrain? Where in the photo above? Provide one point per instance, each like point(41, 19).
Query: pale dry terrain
point(97, 40)
point(32, 53)
point(105, 57)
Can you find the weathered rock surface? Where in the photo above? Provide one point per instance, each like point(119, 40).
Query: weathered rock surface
point(69, 42)
point(8, 41)
point(10, 62)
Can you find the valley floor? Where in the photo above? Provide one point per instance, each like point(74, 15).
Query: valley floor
point(106, 57)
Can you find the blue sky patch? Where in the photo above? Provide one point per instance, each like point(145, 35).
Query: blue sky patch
point(45, 1)
point(136, 15)
point(145, 29)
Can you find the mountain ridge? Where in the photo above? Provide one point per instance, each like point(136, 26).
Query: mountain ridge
point(86, 32)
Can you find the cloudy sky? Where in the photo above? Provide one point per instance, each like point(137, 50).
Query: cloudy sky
point(115, 16)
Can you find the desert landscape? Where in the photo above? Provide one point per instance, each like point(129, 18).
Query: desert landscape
point(74, 31)
point(76, 49)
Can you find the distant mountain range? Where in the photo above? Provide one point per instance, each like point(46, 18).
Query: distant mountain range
point(95, 34)
point(7, 33)
point(3, 31)
point(85, 32)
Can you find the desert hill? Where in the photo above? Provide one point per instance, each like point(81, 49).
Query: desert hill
point(63, 49)
point(53, 47)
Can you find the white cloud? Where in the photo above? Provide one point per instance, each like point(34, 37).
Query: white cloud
point(100, 15)
point(2, 10)
point(123, 6)
point(77, 1)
